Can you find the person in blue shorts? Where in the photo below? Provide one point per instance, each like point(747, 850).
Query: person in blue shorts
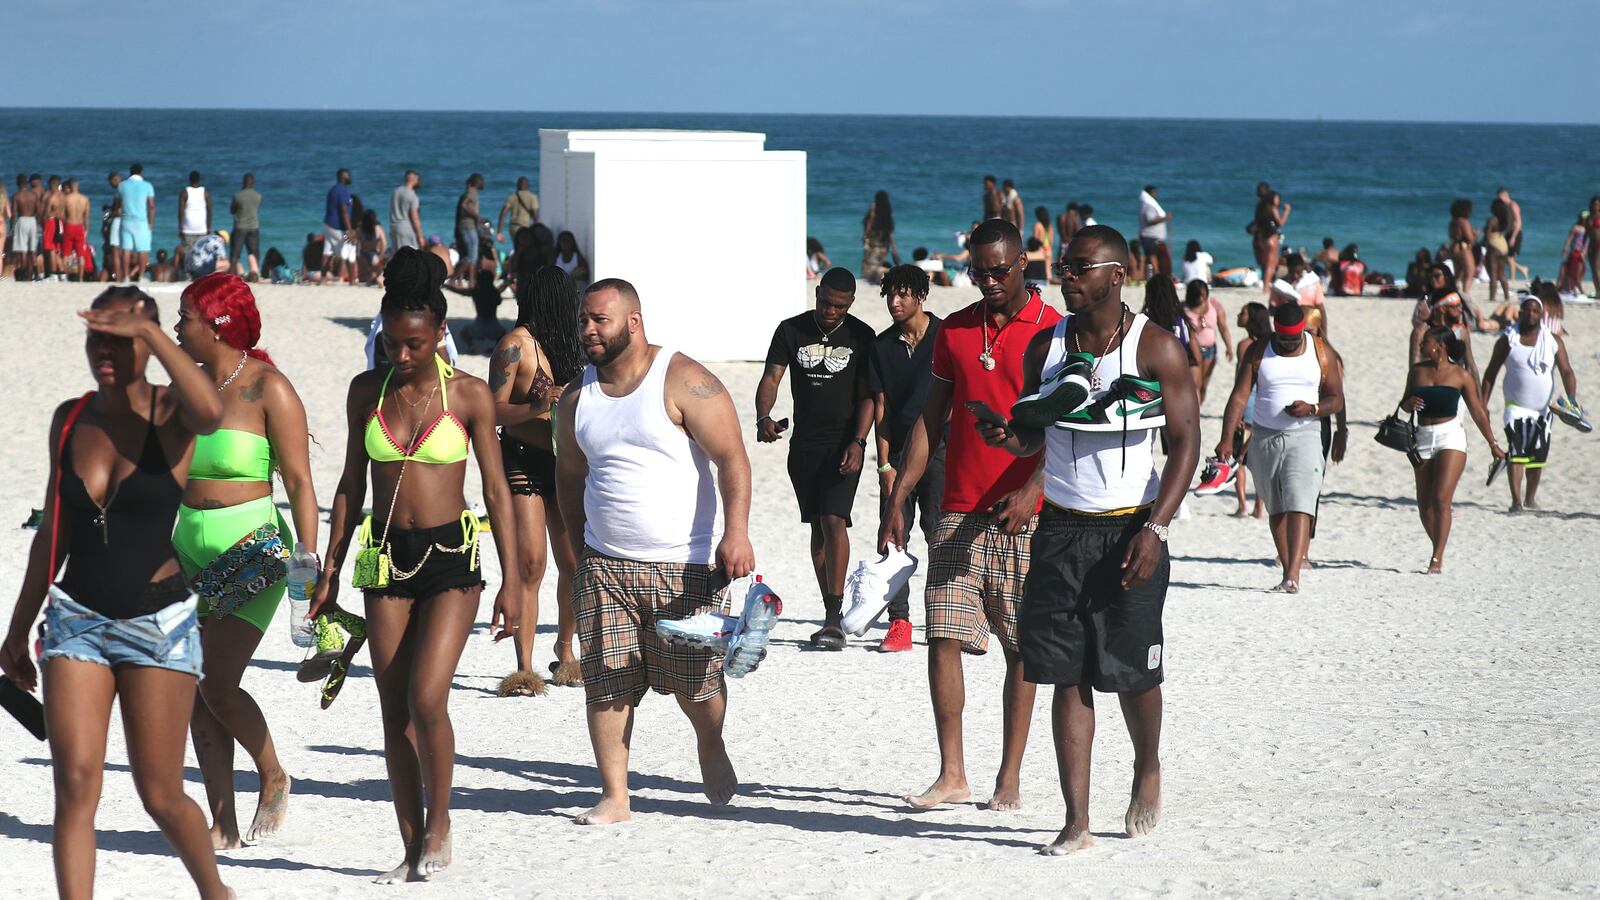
point(138, 198)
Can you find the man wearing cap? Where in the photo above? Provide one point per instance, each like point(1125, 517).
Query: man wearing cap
point(1296, 381)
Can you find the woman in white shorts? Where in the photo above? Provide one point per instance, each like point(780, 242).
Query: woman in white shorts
point(1434, 391)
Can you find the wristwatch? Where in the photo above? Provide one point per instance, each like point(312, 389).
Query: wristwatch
point(862, 443)
point(1160, 531)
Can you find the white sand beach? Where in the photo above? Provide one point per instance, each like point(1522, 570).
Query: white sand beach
point(1382, 733)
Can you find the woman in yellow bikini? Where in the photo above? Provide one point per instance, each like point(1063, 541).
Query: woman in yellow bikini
point(233, 542)
point(413, 425)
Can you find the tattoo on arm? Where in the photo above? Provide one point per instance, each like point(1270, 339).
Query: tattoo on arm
point(501, 370)
point(705, 388)
point(250, 393)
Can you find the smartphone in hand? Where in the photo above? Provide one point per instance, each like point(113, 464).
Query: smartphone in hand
point(985, 413)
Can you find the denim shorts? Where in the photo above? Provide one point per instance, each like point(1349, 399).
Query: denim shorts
point(165, 639)
point(467, 243)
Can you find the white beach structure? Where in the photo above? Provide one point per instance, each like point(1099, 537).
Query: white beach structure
point(710, 226)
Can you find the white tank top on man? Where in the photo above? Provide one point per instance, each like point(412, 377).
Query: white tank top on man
point(1281, 380)
point(648, 496)
point(1529, 386)
point(194, 210)
point(1099, 471)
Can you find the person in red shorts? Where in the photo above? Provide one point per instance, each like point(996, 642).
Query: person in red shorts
point(978, 557)
point(74, 230)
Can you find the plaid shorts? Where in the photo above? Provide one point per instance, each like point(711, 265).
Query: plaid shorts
point(617, 602)
point(975, 575)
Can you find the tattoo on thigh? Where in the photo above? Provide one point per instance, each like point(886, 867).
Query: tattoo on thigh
point(504, 361)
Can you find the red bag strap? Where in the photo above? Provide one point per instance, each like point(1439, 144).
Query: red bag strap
point(55, 489)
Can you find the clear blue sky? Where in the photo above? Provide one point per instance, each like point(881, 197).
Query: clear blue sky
point(1407, 60)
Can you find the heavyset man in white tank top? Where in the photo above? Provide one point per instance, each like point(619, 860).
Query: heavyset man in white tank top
point(636, 440)
point(1097, 577)
point(1532, 354)
point(1297, 380)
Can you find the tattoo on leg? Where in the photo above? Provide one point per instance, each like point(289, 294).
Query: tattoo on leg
point(504, 361)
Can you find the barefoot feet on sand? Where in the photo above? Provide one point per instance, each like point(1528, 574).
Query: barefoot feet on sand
point(1072, 838)
point(945, 790)
point(272, 807)
point(435, 856)
point(717, 775)
point(1286, 587)
point(1007, 796)
point(401, 874)
point(225, 836)
point(606, 812)
point(1144, 808)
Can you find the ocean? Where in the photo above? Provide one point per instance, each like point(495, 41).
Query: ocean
point(1385, 186)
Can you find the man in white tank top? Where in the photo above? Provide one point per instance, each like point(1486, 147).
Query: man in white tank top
point(1097, 579)
point(194, 212)
point(1297, 380)
point(1532, 356)
point(636, 438)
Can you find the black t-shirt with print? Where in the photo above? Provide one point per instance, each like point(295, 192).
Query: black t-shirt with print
point(825, 374)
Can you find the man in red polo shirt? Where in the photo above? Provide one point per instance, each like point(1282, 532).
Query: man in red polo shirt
point(979, 554)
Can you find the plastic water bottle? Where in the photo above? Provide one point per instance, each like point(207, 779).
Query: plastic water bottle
point(302, 581)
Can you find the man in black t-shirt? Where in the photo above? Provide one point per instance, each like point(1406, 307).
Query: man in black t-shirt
point(827, 349)
point(900, 368)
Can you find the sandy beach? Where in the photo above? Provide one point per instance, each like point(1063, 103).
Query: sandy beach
point(1381, 733)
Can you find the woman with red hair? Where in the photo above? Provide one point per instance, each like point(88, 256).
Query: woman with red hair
point(232, 541)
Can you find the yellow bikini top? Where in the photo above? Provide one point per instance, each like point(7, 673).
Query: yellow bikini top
point(442, 443)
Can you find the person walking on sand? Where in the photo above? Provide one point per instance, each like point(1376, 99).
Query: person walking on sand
point(898, 378)
point(1011, 208)
point(414, 424)
point(979, 553)
point(523, 208)
point(1435, 389)
point(120, 623)
point(229, 531)
point(877, 238)
point(1207, 320)
point(1510, 213)
point(1532, 355)
point(116, 262)
point(827, 349)
point(138, 198)
point(467, 237)
point(637, 438)
point(1153, 227)
point(405, 217)
point(246, 236)
point(1266, 232)
point(194, 213)
point(1296, 381)
point(337, 225)
point(533, 364)
point(1099, 568)
point(1257, 324)
point(1463, 240)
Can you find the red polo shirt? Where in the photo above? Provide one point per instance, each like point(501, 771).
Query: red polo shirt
point(976, 474)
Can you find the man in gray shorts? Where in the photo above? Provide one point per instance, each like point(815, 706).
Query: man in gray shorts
point(246, 237)
point(1297, 380)
point(405, 222)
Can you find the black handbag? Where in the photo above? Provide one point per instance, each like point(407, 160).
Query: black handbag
point(1398, 433)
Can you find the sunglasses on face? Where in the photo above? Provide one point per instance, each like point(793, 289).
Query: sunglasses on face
point(999, 274)
point(1077, 268)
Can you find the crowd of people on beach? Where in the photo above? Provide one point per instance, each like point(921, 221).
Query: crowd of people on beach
point(1021, 437)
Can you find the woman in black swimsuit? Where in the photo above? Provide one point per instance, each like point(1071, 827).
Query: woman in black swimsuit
point(1266, 232)
point(121, 621)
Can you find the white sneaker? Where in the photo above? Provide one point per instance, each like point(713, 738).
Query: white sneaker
point(708, 629)
point(870, 587)
point(751, 634)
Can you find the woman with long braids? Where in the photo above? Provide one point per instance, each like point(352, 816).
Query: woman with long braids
point(531, 368)
point(121, 621)
point(413, 425)
point(233, 542)
point(877, 238)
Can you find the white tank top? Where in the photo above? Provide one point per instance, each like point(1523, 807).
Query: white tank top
point(1099, 471)
point(1281, 380)
point(648, 496)
point(1528, 390)
point(194, 210)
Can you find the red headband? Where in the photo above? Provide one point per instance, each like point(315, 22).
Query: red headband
point(1289, 330)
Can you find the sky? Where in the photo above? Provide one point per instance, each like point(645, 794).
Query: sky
point(1395, 60)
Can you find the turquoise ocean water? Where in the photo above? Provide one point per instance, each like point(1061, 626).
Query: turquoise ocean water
point(1386, 186)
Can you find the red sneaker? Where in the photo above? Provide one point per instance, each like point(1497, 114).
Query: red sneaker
point(899, 638)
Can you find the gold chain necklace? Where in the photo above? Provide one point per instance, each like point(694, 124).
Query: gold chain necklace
point(1077, 344)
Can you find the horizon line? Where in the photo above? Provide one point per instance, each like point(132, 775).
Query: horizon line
point(623, 112)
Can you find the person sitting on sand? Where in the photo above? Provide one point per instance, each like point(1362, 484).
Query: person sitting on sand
point(1296, 380)
point(532, 365)
point(1097, 576)
point(1532, 355)
point(414, 424)
point(1435, 389)
point(651, 545)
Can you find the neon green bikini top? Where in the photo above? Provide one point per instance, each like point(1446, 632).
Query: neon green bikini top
point(229, 454)
point(442, 443)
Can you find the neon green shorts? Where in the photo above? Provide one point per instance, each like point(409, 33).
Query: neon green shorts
point(204, 534)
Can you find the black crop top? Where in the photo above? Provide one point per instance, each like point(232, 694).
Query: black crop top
point(111, 564)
